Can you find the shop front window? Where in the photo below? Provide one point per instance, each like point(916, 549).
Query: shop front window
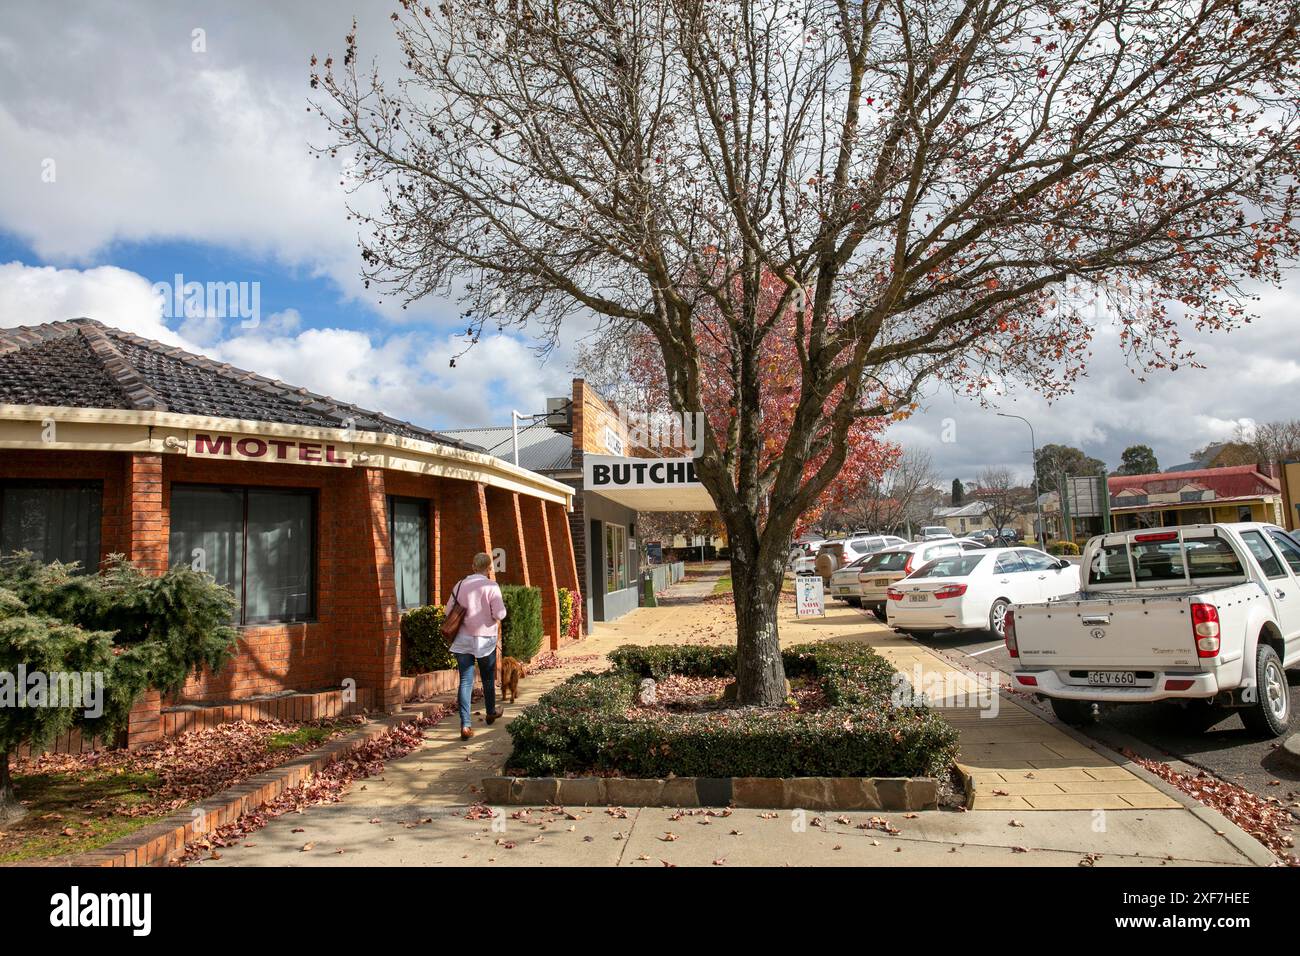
point(615, 558)
point(408, 531)
point(55, 522)
point(257, 542)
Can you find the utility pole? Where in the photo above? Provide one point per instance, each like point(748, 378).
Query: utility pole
point(1033, 449)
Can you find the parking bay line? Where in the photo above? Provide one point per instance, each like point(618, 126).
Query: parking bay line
point(985, 651)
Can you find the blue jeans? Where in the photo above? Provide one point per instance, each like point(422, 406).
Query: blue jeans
point(487, 673)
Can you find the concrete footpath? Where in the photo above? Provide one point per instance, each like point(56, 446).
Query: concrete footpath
point(1042, 795)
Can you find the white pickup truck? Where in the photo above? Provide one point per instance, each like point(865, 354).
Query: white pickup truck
point(1206, 612)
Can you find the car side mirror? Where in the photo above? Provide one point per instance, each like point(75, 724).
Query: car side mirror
point(1062, 564)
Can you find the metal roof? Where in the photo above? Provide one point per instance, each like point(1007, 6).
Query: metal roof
point(541, 449)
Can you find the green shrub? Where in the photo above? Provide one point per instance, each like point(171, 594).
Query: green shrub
point(423, 646)
point(128, 631)
point(688, 660)
point(582, 725)
point(566, 610)
point(521, 631)
point(1064, 547)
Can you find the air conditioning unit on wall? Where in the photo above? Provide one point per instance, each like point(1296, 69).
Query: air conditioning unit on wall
point(559, 413)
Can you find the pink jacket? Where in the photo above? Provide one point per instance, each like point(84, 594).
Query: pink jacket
point(480, 596)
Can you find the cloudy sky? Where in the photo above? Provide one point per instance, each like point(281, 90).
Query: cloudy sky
point(144, 141)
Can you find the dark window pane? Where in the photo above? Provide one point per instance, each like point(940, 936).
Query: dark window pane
point(55, 523)
point(1263, 554)
point(207, 533)
point(278, 586)
point(409, 534)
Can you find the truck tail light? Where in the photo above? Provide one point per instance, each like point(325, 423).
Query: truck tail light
point(1178, 684)
point(949, 591)
point(1027, 679)
point(1009, 631)
point(1157, 536)
point(1205, 629)
point(894, 594)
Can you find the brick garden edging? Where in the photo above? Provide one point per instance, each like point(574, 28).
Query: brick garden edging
point(158, 843)
point(806, 793)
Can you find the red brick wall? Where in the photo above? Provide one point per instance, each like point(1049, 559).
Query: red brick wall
point(109, 468)
point(465, 531)
point(507, 526)
point(356, 632)
point(537, 530)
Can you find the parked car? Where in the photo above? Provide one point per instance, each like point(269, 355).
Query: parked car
point(802, 556)
point(931, 532)
point(834, 555)
point(865, 582)
point(972, 591)
point(1204, 613)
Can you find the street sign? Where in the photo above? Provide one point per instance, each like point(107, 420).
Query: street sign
point(809, 596)
point(1084, 496)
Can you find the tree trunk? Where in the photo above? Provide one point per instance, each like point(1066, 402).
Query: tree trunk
point(756, 586)
point(10, 808)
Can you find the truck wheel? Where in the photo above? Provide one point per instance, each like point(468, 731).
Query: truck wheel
point(853, 602)
point(998, 618)
point(1270, 714)
point(879, 611)
point(1076, 713)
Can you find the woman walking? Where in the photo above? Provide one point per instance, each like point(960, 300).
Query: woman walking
point(476, 641)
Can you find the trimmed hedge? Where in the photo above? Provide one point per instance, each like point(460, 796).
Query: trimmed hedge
point(521, 631)
point(582, 725)
point(423, 647)
point(1064, 547)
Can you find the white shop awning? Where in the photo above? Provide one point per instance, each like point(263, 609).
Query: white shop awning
point(646, 484)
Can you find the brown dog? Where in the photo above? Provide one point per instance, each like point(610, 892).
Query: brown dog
point(511, 671)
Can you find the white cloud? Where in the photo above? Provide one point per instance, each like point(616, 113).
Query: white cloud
point(406, 375)
point(150, 141)
point(30, 295)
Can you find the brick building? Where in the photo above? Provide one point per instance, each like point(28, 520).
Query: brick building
point(326, 520)
point(578, 430)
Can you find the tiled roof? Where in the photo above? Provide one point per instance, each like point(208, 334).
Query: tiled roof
point(1230, 481)
point(82, 363)
point(540, 448)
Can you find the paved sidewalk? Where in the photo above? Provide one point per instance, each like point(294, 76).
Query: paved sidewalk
point(1041, 797)
point(1015, 760)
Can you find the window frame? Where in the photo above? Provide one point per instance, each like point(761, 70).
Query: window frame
point(89, 484)
point(313, 595)
point(426, 513)
point(618, 554)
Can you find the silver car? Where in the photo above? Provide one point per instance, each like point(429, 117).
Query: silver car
point(865, 582)
point(834, 555)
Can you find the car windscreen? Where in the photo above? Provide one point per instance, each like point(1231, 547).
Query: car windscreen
point(953, 566)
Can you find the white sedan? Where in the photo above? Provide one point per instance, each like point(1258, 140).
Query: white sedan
point(972, 591)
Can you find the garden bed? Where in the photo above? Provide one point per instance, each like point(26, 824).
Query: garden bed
point(845, 725)
point(79, 802)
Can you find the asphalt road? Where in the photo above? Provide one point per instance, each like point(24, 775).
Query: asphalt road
point(1218, 743)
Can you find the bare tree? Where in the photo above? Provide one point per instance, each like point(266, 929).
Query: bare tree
point(936, 187)
point(891, 503)
point(1271, 442)
point(1004, 496)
